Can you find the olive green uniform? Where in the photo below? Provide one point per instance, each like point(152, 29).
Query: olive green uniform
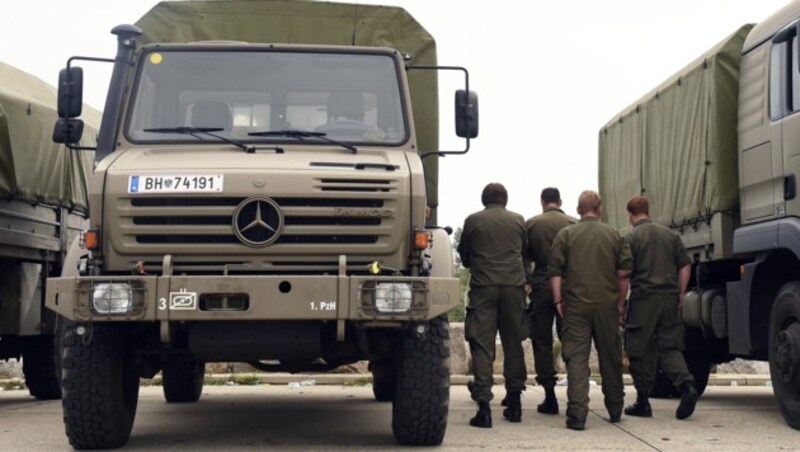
point(540, 232)
point(653, 331)
point(587, 256)
point(491, 247)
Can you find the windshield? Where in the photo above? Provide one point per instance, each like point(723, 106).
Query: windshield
point(353, 98)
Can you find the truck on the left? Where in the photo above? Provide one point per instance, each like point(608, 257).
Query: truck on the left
point(43, 206)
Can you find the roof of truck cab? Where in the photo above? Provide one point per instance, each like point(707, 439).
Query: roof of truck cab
point(767, 28)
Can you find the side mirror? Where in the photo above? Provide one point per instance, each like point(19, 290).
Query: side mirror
point(466, 114)
point(70, 92)
point(68, 131)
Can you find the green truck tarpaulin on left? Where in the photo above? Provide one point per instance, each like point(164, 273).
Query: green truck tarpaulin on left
point(33, 168)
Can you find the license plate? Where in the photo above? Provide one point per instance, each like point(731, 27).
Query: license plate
point(175, 184)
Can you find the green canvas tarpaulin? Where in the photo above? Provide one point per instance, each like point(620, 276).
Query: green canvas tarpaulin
point(311, 22)
point(33, 168)
point(678, 144)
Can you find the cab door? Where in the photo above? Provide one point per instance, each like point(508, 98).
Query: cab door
point(790, 128)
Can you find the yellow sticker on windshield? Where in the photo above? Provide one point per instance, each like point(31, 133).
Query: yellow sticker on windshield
point(156, 58)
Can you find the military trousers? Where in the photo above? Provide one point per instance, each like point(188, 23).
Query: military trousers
point(543, 312)
point(582, 325)
point(654, 335)
point(492, 309)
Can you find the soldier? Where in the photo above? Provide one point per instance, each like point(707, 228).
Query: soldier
point(491, 247)
point(661, 272)
point(540, 232)
point(588, 265)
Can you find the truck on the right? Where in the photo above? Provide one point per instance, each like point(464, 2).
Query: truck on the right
point(716, 150)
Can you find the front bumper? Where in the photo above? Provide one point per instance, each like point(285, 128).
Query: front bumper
point(268, 297)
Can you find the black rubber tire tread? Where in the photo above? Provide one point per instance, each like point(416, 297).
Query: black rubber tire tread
point(419, 411)
point(785, 311)
point(384, 387)
point(100, 385)
point(183, 379)
point(39, 367)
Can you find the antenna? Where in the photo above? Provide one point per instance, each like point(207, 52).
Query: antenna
point(355, 24)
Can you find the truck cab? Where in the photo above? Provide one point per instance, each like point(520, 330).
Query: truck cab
point(255, 202)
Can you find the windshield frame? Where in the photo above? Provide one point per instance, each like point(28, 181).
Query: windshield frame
point(144, 52)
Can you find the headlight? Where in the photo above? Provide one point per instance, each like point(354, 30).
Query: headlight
point(393, 297)
point(112, 298)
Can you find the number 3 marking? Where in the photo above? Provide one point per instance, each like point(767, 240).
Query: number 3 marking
point(162, 304)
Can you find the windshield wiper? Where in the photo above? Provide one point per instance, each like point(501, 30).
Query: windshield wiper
point(194, 131)
point(302, 134)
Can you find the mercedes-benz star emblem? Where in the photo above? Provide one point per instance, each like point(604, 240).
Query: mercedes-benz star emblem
point(257, 221)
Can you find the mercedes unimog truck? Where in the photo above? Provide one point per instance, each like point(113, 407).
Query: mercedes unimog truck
point(43, 207)
point(262, 178)
point(715, 149)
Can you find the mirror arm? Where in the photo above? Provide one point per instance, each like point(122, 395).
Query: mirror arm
point(423, 155)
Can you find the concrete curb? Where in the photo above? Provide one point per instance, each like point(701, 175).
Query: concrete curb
point(458, 380)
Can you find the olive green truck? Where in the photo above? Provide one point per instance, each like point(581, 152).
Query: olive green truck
point(263, 176)
point(716, 150)
point(43, 206)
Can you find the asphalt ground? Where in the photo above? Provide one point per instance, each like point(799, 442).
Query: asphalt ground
point(304, 413)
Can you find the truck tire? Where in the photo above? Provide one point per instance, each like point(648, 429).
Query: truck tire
point(384, 384)
point(39, 367)
point(784, 352)
point(419, 411)
point(100, 384)
point(183, 379)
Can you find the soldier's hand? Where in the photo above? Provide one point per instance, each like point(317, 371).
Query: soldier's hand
point(528, 289)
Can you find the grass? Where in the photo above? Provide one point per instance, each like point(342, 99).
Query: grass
point(363, 381)
point(12, 385)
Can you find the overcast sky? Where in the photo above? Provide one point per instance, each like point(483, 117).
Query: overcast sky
point(549, 74)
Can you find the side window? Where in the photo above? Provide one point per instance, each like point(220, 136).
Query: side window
point(775, 65)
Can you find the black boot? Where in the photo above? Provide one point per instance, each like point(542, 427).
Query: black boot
point(483, 418)
point(550, 403)
point(576, 423)
point(689, 396)
point(641, 407)
point(514, 411)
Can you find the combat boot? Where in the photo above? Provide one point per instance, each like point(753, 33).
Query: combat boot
point(514, 411)
point(689, 396)
point(483, 418)
point(576, 423)
point(641, 407)
point(550, 403)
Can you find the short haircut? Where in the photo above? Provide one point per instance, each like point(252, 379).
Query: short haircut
point(589, 201)
point(638, 205)
point(494, 193)
point(551, 195)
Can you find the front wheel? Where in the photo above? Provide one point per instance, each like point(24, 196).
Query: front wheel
point(784, 352)
point(100, 385)
point(420, 407)
point(183, 379)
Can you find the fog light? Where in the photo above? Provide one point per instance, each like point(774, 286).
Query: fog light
point(393, 297)
point(112, 298)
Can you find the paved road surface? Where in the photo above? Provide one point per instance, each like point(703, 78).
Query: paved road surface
point(341, 417)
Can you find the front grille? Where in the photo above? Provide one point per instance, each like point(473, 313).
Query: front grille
point(357, 219)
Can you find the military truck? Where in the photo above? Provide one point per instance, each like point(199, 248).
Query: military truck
point(262, 177)
point(43, 206)
point(715, 150)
